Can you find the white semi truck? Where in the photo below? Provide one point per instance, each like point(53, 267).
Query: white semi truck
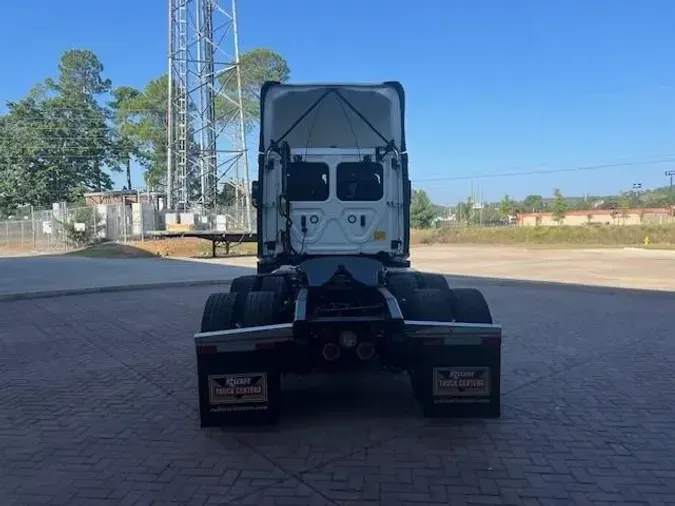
point(334, 289)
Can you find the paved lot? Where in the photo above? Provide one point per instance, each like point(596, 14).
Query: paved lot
point(45, 273)
point(98, 406)
point(616, 267)
point(611, 267)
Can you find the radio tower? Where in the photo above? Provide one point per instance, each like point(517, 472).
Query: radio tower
point(206, 148)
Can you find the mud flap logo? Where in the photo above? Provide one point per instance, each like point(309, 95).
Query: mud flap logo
point(461, 383)
point(238, 388)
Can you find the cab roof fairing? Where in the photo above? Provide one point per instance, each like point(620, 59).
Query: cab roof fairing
point(332, 121)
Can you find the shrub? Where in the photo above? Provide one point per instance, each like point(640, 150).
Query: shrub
point(82, 227)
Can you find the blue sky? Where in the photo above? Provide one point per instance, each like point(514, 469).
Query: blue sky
point(492, 86)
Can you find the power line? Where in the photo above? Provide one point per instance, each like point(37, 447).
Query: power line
point(94, 111)
point(549, 171)
point(46, 149)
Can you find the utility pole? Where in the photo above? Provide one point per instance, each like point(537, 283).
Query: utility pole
point(670, 173)
point(636, 189)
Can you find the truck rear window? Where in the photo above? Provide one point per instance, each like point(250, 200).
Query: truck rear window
point(307, 182)
point(359, 181)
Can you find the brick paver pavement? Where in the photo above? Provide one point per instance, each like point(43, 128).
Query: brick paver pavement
point(98, 406)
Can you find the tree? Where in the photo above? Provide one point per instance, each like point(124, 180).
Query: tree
point(559, 207)
point(422, 211)
point(470, 212)
point(257, 66)
point(80, 120)
point(461, 212)
point(57, 143)
point(533, 204)
point(507, 207)
point(625, 206)
point(126, 147)
point(578, 205)
point(20, 175)
point(227, 196)
point(143, 114)
point(141, 118)
point(609, 203)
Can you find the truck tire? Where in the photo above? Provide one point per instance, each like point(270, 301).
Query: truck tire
point(243, 284)
point(432, 304)
point(469, 307)
point(219, 312)
point(472, 306)
point(427, 304)
point(402, 286)
point(276, 284)
point(261, 308)
point(432, 280)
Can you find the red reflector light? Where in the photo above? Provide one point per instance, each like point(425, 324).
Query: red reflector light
point(207, 349)
point(265, 346)
point(434, 342)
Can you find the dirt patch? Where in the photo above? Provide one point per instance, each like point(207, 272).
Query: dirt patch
point(173, 247)
point(190, 247)
point(111, 250)
point(26, 251)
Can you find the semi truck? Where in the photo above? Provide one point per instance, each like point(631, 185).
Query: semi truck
point(334, 290)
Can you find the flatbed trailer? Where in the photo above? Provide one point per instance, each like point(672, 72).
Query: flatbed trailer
point(216, 237)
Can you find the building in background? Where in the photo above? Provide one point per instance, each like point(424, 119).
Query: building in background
point(117, 197)
point(601, 217)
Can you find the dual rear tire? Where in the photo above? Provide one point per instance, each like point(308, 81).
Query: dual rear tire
point(259, 300)
point(252, 301)
point(427, 297)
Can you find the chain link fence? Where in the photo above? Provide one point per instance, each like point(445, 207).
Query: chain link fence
point(32, 232)
point(65, 228)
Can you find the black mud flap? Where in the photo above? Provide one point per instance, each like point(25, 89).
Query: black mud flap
point(239, 376)
point(238, 387)
point(459, 376)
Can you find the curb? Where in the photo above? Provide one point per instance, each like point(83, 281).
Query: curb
point(48, 294)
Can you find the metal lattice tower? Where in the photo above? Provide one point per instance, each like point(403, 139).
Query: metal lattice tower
point(206, 129)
